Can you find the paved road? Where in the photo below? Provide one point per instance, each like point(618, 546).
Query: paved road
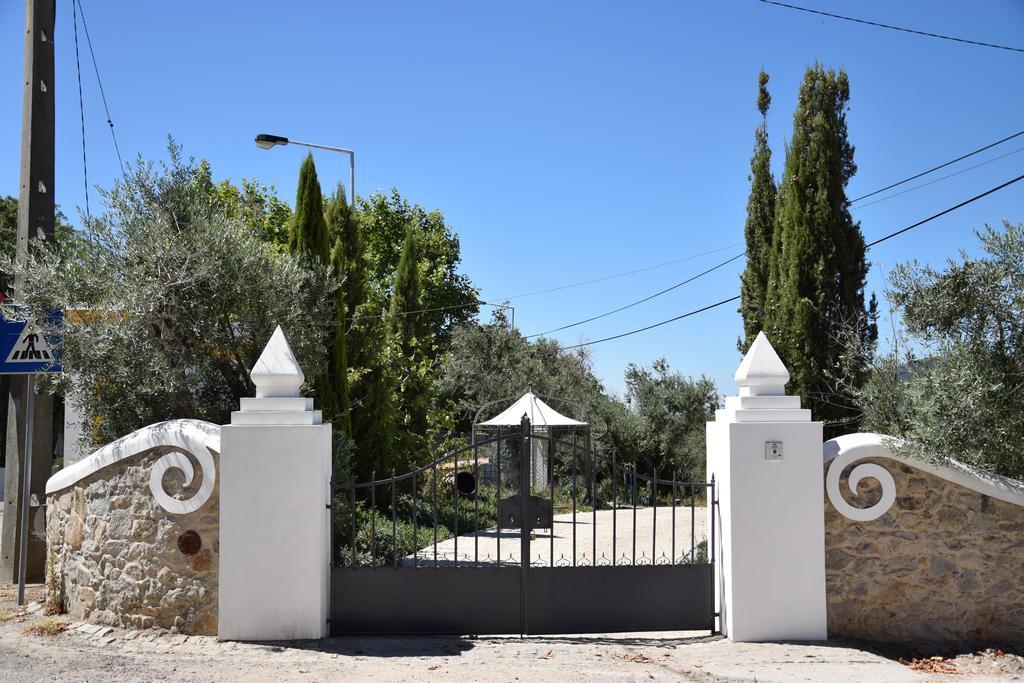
point(653, 539)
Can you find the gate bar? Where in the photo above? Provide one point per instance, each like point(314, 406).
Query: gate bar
point(573, 498)
point(373, 518)
point(415, 525)
point(476, 504)
point(455, 491)
point(394, 522)
point(615, 508)
point(551, 487)
point(633, 494)
point(654, 522)
point(524, 531)
point(673, 517)
point(497, 497)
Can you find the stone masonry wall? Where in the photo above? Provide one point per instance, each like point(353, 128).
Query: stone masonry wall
point(944, 565)
point(116, 557)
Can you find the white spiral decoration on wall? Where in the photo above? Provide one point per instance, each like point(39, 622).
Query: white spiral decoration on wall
point(843, 452)
point(180, 461)
point(197, 438)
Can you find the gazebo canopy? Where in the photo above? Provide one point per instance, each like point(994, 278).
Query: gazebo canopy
point(539, 412)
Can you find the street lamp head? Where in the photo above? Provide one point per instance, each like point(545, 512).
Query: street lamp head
point(264, 141)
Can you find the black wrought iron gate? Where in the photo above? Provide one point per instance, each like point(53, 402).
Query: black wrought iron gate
point(517, 500)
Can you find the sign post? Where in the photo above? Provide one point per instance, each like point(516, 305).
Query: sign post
point(25, 350)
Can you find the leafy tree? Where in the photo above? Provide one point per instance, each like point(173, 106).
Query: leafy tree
point(818, 267)
point(308, 233)
point(955, 388)
point(759, 226)
point(494, 362)
point(252, 202)
point(180, 300)
point(384, 222)
point(670, 411)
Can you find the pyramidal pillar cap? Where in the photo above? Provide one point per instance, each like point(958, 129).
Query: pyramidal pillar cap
point(277, 377)
point(762, 372)
point(277, 373)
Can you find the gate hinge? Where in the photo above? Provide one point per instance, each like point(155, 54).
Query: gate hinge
point(328, 506)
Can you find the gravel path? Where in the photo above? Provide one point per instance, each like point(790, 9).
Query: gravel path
point(653, 539)
point(89, 652)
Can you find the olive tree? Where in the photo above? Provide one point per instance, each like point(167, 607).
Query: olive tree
point(169, 300)
point(954, 386)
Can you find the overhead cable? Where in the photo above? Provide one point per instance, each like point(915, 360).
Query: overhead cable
point(640, 301)
point(103, 96)
point(940, 166)
point(894, 28)
point(867, 246)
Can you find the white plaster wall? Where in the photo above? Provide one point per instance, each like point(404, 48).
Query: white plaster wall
point(275, 532)
point(771, 579)
point(73, 450)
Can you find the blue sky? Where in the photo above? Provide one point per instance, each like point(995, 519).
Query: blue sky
point(563, 141)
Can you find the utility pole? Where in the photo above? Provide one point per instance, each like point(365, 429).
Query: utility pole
point(36, 220)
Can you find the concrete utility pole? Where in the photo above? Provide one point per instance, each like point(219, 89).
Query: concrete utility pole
point(36, 219)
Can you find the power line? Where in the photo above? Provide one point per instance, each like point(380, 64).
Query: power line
point(103, 95)
point(618, 275)
point(940, 166)
point(387, 314)
point(867, 246)
point(81, 110)
point(640, 301)
point(658, 324)
point(849, 202)
point(943, 213)
point(945, 177)
point(894, 28)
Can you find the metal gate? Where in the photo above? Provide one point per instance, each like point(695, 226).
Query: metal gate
point(523, 533)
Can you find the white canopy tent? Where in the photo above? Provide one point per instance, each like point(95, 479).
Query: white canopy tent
point(545, 423)
point(539, 412)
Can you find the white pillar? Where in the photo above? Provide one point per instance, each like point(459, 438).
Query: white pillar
point(275, 469)
point(765, 455)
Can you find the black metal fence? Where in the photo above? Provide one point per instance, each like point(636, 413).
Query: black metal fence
point(465, 510)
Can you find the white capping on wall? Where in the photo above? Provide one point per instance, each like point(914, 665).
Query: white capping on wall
point(841, 452)
point(274, 512)
point(764, 453)
point(195, 437)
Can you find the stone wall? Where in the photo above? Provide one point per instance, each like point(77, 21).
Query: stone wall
point(116, 557)
point(943, 565)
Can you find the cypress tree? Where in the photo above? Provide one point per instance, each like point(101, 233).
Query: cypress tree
point(759, 225)
point(406, 294)
point(337, 360)
point(308, 236)
point(345, 232)
point(406, 332)
point(308, 231)
point(818, 265)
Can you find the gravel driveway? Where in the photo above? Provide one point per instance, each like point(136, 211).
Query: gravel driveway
point(653, 539)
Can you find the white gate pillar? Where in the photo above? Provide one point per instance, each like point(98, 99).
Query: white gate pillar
point(765, 454)
point(275, 476)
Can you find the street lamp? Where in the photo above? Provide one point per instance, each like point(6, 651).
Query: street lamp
point(265, 141)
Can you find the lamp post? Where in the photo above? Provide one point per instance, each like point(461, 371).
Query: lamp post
point(265, 141)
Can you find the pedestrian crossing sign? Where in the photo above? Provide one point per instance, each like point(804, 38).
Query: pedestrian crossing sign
point(25, 349)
